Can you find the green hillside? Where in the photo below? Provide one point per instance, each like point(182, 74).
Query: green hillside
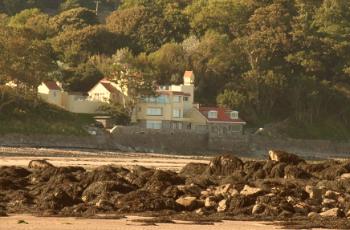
point(23, 115)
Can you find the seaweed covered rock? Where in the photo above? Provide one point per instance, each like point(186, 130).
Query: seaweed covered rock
point(281, 156)
point(99, 188)
point(193, 169)
point(160, 180)
point(224, 165)
point(40, 164)
point(141, 201)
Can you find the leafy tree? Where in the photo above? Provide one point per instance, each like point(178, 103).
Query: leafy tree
point(24, 59)
point(211, 60)
point(81, 78)
point(132, 80)
point(170, 63)
point(73, 19)
point(149, 26)
point(119, 114)
point(224, 16)
point(32, 19)
point(76, 46)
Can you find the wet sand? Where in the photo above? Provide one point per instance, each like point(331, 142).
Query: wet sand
point(91, 159)
point(52, 223)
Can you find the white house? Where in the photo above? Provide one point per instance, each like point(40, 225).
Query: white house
point(51, 92)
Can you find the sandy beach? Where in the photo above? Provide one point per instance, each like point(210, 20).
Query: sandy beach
point(52, 223)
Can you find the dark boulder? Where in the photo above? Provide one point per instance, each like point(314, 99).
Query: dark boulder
point(193, 169)
point(281, 156)
point(224, 165)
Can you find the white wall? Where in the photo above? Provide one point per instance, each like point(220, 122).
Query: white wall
point(81, 104)
point(99, 89)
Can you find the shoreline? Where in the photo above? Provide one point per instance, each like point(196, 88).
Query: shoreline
point(129, 223)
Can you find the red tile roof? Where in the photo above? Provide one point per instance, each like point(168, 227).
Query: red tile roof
point(222, 115)
point(188, 74)
point(109, 87)
point(52, 85)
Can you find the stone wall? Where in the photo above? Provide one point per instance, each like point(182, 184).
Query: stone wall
point(161, 140)
point(183, 142)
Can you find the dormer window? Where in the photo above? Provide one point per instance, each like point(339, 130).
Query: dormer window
point(234, 115)
point(213, 114)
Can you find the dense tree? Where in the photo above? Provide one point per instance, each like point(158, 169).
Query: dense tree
point(223, 16)
point(34, 20)
point(148, 25)
point(24, 59)
point(73, 19)
point(76, 46)
point(81, 78)
point(170, 63)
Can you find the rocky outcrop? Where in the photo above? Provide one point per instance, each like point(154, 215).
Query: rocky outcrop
point(226, 187)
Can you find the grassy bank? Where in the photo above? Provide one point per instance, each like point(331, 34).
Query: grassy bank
point(26, 116)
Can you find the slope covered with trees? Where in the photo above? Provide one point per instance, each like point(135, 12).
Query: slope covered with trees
point(280, 61)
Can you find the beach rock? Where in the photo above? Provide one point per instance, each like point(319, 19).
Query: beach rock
point(210, 202)
point(294, 172)
point(313, 215)
point(103, 187)
point(281, 156)
point(328, 202)
point(141, 201)
point(193, 169)
point(39, 164)
point(224, 165)
point(345, 176)
point(301, 207)
point(331, 195)
point(258, 209)
point(188, 202)
point(190, 190)
point(225, 190)
point(250, 191)
point(334, 212)
point(222, 205)
point(314, 193)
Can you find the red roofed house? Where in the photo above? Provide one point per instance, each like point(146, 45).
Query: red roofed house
point(217, 120)
point(174, 108)
point(51, 92)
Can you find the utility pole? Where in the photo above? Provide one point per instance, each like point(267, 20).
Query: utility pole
point(97, 6)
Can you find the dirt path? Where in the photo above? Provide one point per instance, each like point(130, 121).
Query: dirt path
point(50, 223)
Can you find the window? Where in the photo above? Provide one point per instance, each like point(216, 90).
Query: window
point(154, 111)
point(234, 115)
point(162, 99)
point(213, 114)
point(177, 99)
point(177, 125)
point(164, 87)
point(153, 124)
point(152, 99)
point(185, 98)
point(177, 113)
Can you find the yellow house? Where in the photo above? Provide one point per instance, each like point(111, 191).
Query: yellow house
point(173, 108)
point(169, 108)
